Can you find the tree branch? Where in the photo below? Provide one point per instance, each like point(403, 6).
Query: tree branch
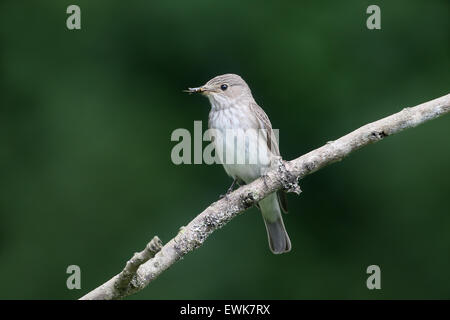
point(284, 176)
point(118, 286)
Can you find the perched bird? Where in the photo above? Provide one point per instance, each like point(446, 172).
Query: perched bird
point(234, 108)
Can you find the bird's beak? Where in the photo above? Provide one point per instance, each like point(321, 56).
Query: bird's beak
point(202, 90)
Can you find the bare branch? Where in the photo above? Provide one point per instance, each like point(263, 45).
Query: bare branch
point(284, 176)
point(118, 286)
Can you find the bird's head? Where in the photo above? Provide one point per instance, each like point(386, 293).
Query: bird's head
point(224, 90)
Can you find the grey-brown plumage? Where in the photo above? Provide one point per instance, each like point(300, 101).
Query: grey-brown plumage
point(234, 108)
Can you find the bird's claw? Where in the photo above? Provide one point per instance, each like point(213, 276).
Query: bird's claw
point(226, 194)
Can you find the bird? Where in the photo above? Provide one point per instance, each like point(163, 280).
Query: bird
point(233, 108)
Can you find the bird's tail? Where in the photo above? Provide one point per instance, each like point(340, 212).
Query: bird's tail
point(279, 241)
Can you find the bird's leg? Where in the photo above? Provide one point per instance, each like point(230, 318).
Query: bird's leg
point(230, 189)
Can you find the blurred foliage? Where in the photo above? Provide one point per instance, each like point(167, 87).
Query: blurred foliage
point(86, 118)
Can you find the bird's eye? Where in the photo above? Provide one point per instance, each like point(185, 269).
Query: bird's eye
point(224, 87)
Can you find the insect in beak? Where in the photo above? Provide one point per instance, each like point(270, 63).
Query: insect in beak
point(195, 90)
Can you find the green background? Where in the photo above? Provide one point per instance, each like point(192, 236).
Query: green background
point(86, 117)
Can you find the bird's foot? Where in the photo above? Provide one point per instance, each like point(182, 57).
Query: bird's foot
point(221, 196)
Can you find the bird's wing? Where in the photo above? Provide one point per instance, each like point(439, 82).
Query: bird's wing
point(272, 144)
point(264, 123)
